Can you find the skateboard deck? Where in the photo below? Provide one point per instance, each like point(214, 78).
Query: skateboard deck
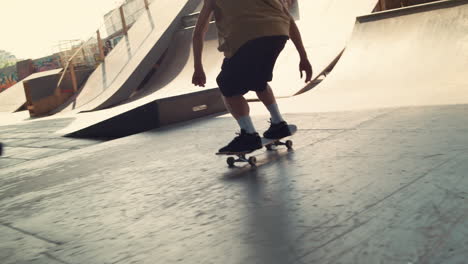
point(269, 144)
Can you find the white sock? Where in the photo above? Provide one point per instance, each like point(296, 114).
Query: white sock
point(276, 117)
point(245, 122)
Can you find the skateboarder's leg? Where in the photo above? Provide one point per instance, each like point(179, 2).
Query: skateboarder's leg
point(236, 105)
point(266, 96)
point(268, 99)
point(233, 90)
point(248, 139)
point(250, 69)
point(278, 127)
point(270, 51)
point(239, 109)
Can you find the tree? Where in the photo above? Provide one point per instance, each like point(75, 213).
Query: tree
point(7, 59)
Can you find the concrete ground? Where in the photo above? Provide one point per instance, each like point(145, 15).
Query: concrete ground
point(370, 186)
point(36, 139)
point(363, 185)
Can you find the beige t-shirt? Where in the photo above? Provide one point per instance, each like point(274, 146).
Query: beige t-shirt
point(239, 21)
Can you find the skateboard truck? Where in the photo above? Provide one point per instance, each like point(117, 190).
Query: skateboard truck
point(241, 158)
point(288, 145)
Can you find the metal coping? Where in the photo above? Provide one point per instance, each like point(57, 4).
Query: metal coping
point(410, 10)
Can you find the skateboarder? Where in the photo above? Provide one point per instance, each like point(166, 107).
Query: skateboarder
point(252, 33)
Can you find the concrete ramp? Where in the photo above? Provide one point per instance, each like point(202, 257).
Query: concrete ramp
point(331, 20)
point(414, 56)
point(13, 99)
point(174, 76)
point(326, 26)
point(167, 97)
point(131, 60)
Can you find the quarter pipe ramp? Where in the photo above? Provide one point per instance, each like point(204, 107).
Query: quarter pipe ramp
point(413, 56)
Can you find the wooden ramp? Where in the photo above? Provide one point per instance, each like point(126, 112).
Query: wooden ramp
point(14, 98)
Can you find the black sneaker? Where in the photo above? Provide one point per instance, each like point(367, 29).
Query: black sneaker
point(245, 142)
point(277, 131)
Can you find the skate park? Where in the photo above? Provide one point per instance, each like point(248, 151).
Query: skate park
point(377, 173)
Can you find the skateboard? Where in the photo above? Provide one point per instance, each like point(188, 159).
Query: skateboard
point(269, 144)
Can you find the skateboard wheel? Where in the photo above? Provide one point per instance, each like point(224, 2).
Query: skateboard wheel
point(230, 161)
point(269, 147)
point(252, 161)
point(289, 144)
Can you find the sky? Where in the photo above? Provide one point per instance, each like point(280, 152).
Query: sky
point(30, 29)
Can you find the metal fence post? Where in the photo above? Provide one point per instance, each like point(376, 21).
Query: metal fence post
point(100, 45)
point(124, 23)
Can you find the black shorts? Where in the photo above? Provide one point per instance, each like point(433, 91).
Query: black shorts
point(251, 67)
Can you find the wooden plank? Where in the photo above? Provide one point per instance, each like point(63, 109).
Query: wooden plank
point(73, 77)
point(383, 5)
point(29, 104)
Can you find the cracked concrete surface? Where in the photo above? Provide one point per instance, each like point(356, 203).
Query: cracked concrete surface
point(380, 186)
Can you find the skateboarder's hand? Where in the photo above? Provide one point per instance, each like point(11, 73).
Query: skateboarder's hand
point(304, 66)
point(199, 77)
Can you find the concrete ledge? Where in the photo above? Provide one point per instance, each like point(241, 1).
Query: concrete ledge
point(155, 114)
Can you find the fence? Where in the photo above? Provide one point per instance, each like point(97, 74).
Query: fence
point(93, 51)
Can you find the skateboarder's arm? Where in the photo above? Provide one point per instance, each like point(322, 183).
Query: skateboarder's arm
point(199, 77)
point(296, 38)
point(295, 35)
point(200, 31)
